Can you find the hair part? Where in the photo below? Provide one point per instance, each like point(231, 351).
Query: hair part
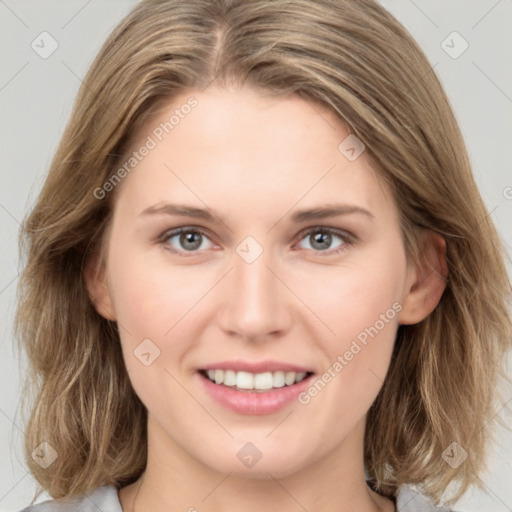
point(359, 61)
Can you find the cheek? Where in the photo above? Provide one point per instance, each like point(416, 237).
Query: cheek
point(353, 299)
point(148, 300)
point(361, 310)
point(154, 305)
point(150, 295)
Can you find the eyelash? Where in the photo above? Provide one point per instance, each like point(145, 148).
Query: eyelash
point(347, 238)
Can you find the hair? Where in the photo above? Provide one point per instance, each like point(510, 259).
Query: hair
point(360, 62)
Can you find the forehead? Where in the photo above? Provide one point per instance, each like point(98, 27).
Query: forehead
point(243, 148)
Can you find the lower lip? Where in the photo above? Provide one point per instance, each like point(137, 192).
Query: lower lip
point(255, 403)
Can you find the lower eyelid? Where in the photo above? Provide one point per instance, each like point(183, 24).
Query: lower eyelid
point(347, 239)
point(166, 237)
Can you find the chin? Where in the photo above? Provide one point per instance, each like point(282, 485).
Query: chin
point(273, 463)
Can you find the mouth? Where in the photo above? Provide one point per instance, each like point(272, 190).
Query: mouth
point(254, 382)
point(268, 388)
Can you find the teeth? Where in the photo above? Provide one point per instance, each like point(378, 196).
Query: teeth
point(244, 380)
point(278, 380)
point(289, 378)
point(229, 378)
point(259, 381)
point(263, 380)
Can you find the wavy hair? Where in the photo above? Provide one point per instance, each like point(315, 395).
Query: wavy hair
point(361, 63)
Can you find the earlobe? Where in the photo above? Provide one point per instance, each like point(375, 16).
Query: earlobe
point(427, 282)
point(96, 282)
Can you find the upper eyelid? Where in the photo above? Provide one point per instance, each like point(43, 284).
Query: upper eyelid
point(344, 234)
point(170, 233)
point(337, 231)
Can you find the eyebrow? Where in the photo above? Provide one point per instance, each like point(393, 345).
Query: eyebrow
point(329, 210)
point(321, 212)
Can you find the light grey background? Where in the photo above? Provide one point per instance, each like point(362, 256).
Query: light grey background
point(36, 96)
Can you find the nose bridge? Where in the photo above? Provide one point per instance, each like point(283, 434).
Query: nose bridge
point(255, 305)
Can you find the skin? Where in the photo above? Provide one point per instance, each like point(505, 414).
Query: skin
point(254, 160)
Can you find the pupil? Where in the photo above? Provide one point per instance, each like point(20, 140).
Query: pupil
point(192, 238)
point(323, 239)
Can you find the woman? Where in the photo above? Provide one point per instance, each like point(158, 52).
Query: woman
point(260, 273)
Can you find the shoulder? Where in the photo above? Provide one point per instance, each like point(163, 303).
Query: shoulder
point(411, 500)
point(103, 498)
point(106, 499)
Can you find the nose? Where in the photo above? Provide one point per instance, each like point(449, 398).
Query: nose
point(256, 304)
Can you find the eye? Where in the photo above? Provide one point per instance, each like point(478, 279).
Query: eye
point(191, 240)
point(320, 239)
point(186, 239)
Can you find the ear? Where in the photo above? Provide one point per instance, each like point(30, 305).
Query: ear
point(426, 282)
point(96, 282)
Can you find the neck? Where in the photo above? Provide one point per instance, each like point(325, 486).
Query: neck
point(176, 482)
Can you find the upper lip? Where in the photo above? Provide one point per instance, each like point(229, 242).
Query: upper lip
point(256, 366)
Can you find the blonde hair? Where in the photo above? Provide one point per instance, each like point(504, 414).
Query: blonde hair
point(360, 62)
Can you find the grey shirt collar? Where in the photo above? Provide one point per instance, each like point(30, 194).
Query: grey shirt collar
point(106, 499)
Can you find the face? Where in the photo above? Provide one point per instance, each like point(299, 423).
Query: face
point(249, 248)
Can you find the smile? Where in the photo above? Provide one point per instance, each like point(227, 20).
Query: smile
point(247, 381)
point(254, 388)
